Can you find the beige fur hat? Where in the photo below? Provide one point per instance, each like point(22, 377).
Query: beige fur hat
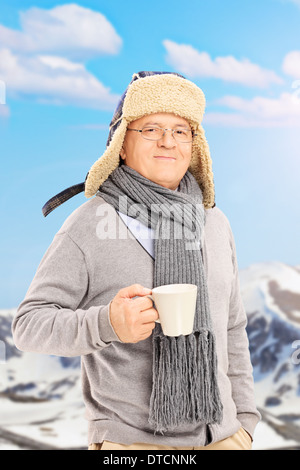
point(149, 93)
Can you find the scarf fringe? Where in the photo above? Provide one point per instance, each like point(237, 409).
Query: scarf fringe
point(181, 365)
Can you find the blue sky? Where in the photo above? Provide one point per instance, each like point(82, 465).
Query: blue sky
point(64, 65)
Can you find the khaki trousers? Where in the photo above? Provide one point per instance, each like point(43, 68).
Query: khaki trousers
point(239, 441)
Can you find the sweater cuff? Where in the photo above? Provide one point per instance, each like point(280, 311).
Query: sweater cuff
point(249, 421)
point(107, 333)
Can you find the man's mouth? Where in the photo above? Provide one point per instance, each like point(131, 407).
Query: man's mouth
point(163, 157)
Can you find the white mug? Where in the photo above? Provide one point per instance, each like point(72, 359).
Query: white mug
point(176, 306)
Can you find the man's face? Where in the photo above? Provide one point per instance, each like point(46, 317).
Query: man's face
point(164, 161)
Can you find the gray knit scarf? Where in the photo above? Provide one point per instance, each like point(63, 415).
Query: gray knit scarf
point(184, 384)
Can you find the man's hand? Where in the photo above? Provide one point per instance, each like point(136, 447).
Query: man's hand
point(133, 319)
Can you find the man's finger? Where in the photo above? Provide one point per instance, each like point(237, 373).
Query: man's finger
point(133, 291)
point(149, 316)
point(142, 303)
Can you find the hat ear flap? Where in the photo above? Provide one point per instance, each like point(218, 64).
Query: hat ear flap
point(201, 167)
point(107, 163)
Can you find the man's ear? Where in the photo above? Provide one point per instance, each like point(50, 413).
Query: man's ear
point(122, 153)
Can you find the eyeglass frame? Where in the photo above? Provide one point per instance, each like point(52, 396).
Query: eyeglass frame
point(163, 129)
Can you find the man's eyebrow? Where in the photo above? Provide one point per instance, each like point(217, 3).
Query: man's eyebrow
point(152, 123)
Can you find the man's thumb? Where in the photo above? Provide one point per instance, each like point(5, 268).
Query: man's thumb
point(133, 291)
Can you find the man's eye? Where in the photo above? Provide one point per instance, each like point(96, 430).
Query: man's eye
point(182, 132)
point(150, 130)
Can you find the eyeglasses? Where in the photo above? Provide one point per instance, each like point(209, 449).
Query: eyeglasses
point(181, 135)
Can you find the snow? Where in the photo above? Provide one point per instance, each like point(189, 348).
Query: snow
point(255, 287)
point(266, 438)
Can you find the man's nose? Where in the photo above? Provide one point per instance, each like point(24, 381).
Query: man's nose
point(167, 140)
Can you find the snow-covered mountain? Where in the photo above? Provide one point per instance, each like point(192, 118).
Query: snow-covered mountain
point(40, 396)
point(271, 294)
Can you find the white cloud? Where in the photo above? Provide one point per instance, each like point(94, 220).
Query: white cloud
point(45, 60)
point(258, 112)
point(70, 30)
point(188, 60)
point(2, 92)
point(291, 64)
point(53, 80)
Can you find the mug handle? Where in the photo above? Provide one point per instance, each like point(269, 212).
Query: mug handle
point(151, 297)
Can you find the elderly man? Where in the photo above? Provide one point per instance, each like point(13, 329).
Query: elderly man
point(90, 295)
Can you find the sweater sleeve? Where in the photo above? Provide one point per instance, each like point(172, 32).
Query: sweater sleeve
point(52, 318)
point(240, 371)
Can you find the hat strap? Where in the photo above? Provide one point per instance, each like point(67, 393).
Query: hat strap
point(62, 197)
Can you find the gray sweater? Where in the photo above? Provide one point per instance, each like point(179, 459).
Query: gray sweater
point(66, 313)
